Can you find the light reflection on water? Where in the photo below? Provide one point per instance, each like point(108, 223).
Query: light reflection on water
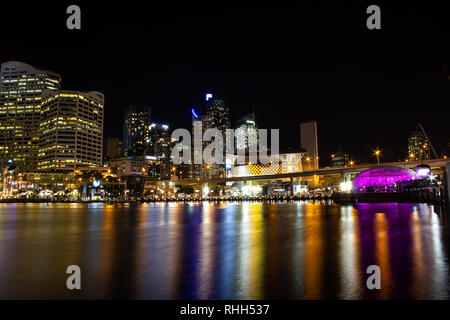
point(298, 250)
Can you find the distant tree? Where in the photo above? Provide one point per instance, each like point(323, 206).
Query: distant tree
point(186, 189)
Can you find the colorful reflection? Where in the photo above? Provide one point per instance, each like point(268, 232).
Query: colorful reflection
point(297, 250)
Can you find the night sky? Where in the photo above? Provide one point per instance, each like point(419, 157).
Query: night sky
point(366, 88)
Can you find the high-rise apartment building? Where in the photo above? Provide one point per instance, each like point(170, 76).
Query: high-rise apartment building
point(21, 86)
point(136, 130)
point(71, 130)
point(418, 146)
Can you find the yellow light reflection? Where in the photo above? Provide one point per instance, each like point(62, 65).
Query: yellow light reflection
point(206, 251)
point(381, 226)
point(314, 249)
point(256, 252)
point(349, 253)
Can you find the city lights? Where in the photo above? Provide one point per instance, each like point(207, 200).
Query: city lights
point(237, 155)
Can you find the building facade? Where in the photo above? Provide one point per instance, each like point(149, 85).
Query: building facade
point(160, 141)
point(71, 130)
point(340, 159)
point(218, 115)
point(418, 147)
point(160, 147)
point(136, 130)
point(246, 133)
point(112, 148)
point(215, 115)
point(21, 87)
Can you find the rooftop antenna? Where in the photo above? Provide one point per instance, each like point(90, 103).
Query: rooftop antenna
point(428, 140)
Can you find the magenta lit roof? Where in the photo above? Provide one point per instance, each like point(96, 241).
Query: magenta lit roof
point(383, 176)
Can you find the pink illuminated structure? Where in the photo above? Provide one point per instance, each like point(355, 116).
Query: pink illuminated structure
point(382, 179)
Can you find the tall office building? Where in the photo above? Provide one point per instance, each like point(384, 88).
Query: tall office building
point(160, 141)
point(71, 130)
point(136, 130)
point(309, 141)
point(418, 147)
point(246, 133)
point(218, 114)
point(21, 86)
point(160, 147)
point(215, 115)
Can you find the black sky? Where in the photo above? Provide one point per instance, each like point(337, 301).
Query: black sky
point(318, 61)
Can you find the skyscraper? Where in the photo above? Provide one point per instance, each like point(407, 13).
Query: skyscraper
point(418, 147)
point(309, 141)
point(246, 133)
point(21, 87)
point(136, 130)
point(160, 141)
point(218, 115)
point(215, 115)
point(71, 130)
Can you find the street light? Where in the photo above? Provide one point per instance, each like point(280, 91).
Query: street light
point(377, 154)
point(308, 165)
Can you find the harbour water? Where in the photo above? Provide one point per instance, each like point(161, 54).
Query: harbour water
point(291, 250)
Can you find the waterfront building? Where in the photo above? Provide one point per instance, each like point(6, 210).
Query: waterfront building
point(289, 162)
point(292, 162)
point(129, 166)
point(133, 171)
point(383, 179)
point(136, 130)
point(21, 86)
point(71, 130)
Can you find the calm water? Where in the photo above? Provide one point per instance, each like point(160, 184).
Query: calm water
point(223, 251)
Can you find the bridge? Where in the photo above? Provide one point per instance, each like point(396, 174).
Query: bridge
point(436, 165)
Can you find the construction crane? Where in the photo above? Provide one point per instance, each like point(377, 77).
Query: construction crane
point(428, 140)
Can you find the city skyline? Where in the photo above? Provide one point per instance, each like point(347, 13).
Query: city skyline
point(144, 125)
point(224, 156)
point(346, 89)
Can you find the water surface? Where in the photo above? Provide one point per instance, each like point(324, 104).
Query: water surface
point(296, 250)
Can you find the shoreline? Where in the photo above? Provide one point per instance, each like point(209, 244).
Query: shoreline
point(335, 198)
